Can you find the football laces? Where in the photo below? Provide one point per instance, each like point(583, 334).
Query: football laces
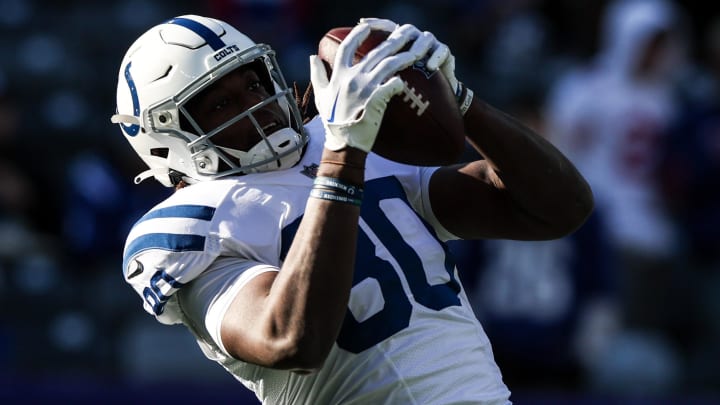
point(414, 99)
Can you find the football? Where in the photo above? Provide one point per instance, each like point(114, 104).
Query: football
point(422, 125)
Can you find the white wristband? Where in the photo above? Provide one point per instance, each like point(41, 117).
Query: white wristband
point(467, 100)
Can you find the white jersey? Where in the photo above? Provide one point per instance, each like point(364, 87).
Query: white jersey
point(409, 335)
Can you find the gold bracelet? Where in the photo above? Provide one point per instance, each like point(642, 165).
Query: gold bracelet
point(346, 164)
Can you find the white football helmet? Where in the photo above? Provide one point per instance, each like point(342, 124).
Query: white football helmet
point(165, 68)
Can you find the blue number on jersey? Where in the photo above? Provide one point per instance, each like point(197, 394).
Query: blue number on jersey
point(395, 316)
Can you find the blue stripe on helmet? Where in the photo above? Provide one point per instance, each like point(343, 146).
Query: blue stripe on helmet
point(206, 33)
point(132, 130)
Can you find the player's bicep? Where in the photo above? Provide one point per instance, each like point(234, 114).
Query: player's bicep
point(207, 301)
point(242, 330)
point(471, 202)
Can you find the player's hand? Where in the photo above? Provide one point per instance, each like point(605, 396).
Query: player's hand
point(441, 58)
point(440, 55)
point(353, 100)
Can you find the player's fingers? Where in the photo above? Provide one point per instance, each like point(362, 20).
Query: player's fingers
point(405, 31)
point(422, 44)
point(380, 24)
point(347, 48)
point(438, 57)
point(398, 39)
point(390, 66)
point(318, 74)
point(387, 90)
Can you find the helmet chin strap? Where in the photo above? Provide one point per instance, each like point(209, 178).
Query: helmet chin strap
point(279, 141)
point(124, 119)
point(151, 173)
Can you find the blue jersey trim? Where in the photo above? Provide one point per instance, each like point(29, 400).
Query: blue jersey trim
point(170, 241)
point(201, 212)
point(164, 241)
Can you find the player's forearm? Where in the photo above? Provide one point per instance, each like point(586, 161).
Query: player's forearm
point(539, 178)
point(313, 287)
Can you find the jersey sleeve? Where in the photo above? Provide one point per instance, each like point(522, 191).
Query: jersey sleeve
point(425, 209)
point(166, 249)
point(415, 181)
point(178, 240)
point(206, 300)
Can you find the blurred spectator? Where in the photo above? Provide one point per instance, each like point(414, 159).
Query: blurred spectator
point(611, 118)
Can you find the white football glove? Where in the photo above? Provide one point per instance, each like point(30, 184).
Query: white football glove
point(353, 100)
point(440, 57)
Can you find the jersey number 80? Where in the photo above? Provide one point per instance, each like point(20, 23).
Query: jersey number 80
point(357, 336)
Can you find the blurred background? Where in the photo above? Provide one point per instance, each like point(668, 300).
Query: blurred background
point(625, 310)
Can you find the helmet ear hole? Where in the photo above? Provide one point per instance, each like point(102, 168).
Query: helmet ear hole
point(160, 152)
point(175, 177)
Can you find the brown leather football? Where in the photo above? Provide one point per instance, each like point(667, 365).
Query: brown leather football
point(422, 125)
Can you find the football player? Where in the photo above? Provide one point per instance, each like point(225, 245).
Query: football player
point(310, 268)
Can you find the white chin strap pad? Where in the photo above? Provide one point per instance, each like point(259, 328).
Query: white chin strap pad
point(276, 143)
